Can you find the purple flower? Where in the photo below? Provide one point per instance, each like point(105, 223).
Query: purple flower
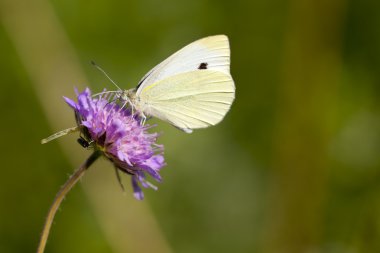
point(121, 138)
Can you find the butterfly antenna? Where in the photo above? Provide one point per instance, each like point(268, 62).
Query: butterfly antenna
point(101, 70)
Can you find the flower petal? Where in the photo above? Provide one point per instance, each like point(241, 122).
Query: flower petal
point(70, 102)
point(137, 192)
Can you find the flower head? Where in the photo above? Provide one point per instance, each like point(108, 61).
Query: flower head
point(121, 138)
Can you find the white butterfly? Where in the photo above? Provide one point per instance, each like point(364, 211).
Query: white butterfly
point(191, 89)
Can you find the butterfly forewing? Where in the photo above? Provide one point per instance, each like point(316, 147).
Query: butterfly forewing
point(211, 53)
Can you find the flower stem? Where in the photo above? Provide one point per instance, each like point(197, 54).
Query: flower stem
point(61, 195)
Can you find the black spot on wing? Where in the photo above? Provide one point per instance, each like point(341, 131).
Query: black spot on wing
point(203, 65)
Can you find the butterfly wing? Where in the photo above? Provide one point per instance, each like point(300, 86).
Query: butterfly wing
point(208, 53)
point(189, 100)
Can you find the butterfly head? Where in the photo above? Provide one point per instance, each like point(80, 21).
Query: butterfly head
point(127, 96)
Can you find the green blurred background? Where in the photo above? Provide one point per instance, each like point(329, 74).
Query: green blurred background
point(294, 167)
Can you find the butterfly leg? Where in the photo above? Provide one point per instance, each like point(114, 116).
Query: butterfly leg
point(143, 117)
point(112, 99)
point(132, 109)
point(125, 103)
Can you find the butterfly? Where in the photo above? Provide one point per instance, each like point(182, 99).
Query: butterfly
point(191, 89)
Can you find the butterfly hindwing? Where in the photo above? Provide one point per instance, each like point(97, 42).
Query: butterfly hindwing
point(190, 100)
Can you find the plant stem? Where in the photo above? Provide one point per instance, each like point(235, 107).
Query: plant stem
point(74, 178)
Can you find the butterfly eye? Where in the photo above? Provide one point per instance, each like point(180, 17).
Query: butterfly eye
point(203, 65)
